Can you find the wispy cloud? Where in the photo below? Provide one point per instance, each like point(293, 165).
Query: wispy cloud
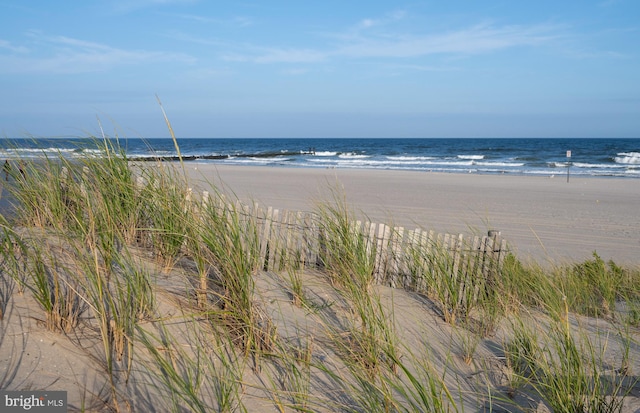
point(65, 55)
point(276, 55)
point(199, 40)
point(16, 49)
point(237, 21)
point(608, 3)
point(361, 43)
point(388, 19)
point(126, 6)
point(482, 38)
point(295, 71)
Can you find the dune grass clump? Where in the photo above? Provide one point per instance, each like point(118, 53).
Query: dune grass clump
point(34, 267)
point(48, 195)
point(199, 255)
point(231, 241)
point(421, 388)
point(458, 288)
point(290, 374)
point(76, 264)
point(590, 288)
point(593, 287)
point(566, 367)
point(12, 274)
point(415, 384)
point(167, 214)
point(345, 252)
point(296, 381)
point(57, 293)
point(205, 375)
point(369, 345)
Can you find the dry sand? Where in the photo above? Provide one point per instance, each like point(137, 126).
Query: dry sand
point(542, 218)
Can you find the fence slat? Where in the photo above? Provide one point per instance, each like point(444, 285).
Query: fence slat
point(270, 240)
point(311, 239)
point(274, 240)
point(384, 234)
point(397, 236)
point(289, 242)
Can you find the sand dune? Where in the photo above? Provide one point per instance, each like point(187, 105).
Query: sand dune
point(542, 218)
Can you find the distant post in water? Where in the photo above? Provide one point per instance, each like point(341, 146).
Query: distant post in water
point(568, 164)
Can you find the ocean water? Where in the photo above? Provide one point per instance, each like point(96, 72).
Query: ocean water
point(609, 157)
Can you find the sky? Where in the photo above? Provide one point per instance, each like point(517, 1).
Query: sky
point(330, 68)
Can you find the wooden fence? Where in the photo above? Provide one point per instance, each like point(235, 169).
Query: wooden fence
point(294, 239)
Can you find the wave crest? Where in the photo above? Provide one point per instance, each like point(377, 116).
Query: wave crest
point(628, 158)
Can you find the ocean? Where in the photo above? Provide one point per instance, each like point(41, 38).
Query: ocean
point(606, 157)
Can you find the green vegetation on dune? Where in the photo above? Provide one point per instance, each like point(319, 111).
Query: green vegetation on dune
point(168, 282)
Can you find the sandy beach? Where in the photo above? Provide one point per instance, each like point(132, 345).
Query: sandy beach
point(546, 219)
point(309, 322)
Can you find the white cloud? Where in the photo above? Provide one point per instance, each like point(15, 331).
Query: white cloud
point(295, 71)
point(482, 38)
point(366, 23)
point(276, 55)
point(238, 21)
point(473, 40)
point(126, 6)
point(64, 55)
point(242, 21)
point(16, 49)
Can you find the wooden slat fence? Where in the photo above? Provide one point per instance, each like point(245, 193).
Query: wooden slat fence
point(403, 257)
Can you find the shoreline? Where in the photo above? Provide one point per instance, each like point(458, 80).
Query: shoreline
point(543, 218)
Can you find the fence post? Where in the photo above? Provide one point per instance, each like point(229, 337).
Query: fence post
point(382, 260)
point(494, 234)
point(274, 239)
point(311, 239)
point(83, 182)
point(492, 255)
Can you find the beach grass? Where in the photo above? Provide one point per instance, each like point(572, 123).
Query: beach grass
point(169, 284)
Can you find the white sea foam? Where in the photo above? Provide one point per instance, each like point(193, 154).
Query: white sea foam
point(352, 155)
point(325, 153)
point(596, 165)
point(627, 158)
point(472, 157)
point(410, 158)
point(388, 163)
point(497, 164)
point(254, 161)
point(152, 155)
point(40, 150)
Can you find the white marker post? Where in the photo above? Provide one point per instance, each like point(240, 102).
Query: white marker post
point(568, 164)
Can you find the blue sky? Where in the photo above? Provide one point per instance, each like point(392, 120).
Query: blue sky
point(494, 68)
